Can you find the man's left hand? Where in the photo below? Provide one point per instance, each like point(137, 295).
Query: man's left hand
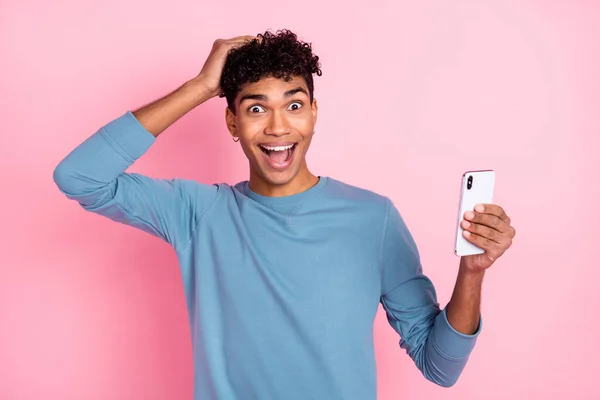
point(487, 227)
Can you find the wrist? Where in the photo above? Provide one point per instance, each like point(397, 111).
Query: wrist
point(467, 270)
point(206, 84)
point(199, 90)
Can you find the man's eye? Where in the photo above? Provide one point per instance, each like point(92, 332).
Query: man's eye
point(295, 106)
point(256, 109)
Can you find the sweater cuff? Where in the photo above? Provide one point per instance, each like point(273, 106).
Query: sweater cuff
point(449, 341)
point(128, 136)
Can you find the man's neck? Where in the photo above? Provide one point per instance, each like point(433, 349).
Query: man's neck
point(303, 181)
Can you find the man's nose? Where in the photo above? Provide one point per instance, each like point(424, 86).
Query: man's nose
point(278, 125)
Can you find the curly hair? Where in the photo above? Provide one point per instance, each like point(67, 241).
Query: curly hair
point(279, 55)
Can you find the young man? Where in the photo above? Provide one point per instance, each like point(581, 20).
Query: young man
point(283, 274)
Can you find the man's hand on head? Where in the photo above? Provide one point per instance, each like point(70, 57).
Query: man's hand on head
point(210, 75)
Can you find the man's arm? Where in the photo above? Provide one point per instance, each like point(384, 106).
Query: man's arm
point(159, 115)
point(439, 342)
point(93, 174)
point(463, 310)
point(409, 298)
point(489, 228)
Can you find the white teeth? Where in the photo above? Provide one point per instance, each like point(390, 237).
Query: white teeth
point(277, 148)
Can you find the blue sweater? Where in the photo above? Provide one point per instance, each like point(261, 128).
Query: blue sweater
point(281, 292)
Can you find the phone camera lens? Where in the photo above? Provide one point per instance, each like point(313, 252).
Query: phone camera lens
point(470, 182)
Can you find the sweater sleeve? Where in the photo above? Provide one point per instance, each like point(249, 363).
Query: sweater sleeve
point(409, 300)
point(93, 174)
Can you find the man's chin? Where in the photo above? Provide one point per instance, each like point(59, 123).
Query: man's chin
point(279, 178)
point(275, 178)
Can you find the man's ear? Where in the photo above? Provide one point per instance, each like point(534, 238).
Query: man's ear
point(230, 121)
point(315, 110)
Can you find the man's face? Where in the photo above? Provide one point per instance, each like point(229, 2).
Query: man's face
point(275, 123)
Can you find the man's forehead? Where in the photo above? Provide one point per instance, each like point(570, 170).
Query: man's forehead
point(273, 85)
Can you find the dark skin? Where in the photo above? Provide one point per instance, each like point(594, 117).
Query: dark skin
point(280, 111)
point(489, 228)
point(275, 111)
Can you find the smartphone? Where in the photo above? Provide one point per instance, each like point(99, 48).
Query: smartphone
point(477, 188)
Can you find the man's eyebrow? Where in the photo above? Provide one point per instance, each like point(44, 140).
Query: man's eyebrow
point(292, 92)
point(259, 97)
point(262, 97)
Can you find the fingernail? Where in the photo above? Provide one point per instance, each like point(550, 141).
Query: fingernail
point(479, 208)
point(466, 233)
point(469, 215)
point(466, 224)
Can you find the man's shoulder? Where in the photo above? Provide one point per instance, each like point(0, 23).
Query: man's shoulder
point(336, 189)
point(195, 189)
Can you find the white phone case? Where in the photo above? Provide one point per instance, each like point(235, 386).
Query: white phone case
point(477, 188)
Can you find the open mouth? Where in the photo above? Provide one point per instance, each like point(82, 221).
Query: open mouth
point(279, 155)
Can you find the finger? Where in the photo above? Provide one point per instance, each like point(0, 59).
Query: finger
point(483, 231)
point(242, 39)
point(491, 221)
point(238, 42)
point(233, 42)
point(493, 209)
point(483, 243)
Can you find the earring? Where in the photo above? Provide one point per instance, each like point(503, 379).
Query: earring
point(234, 139)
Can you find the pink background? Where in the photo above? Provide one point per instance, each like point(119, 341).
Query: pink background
point(412, 95)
